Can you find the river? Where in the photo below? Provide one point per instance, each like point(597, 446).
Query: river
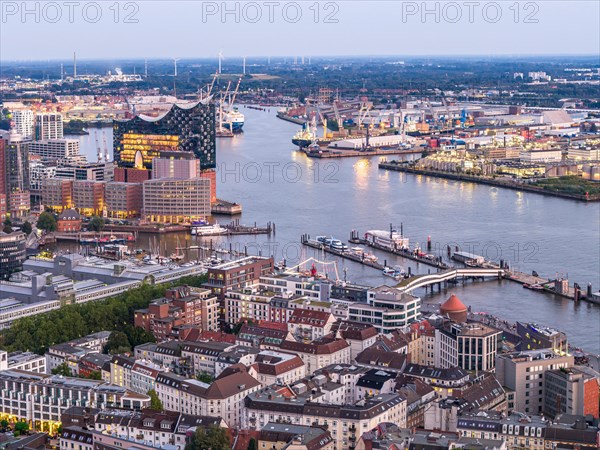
point(261, 170)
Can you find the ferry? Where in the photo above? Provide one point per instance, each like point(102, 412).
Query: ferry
point(208, 230)
point(233, 119)
point(395, 272)
point(332, 243)
point(390, 240)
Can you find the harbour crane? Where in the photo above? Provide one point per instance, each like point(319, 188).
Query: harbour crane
point(99, 150)
point(232, 98)
point(365, 107)
point(338, 118)
point(323, 120)
point(105, 147)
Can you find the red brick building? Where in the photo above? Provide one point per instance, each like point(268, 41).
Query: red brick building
point(182, 307)
point(127, 175)
point(69, 221)
point(237, 274)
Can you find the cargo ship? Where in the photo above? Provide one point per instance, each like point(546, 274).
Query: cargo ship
point(304, 137)
point(233, 120)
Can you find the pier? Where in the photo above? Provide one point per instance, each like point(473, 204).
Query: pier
point(430, 279)
point(497, 182)
point(338, 153)
point(234, 228)
point(100, 238)
point(404, 253)
point(306, 240)
point(224, 207)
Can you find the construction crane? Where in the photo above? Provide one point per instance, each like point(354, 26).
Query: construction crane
point(98, 146)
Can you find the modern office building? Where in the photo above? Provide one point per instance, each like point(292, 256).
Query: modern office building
point(12, 252)
point(57, 150)
point(185, 167)
point(470, 346)
point(171, 200)
point(123, 200)
point(574, 390)
point(3, 187)
point(57, 193)
point(15, 156)
point(388, 309)
point(88, 197)
point(98, 171)
point(188, 129)
point(48, 126)
point(522, 373)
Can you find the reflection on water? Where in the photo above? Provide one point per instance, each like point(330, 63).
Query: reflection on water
point(530, 231)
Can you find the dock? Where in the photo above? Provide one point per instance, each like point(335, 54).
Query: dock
point(340, 153)
point(102, 237)
point(306, 240)
point(234, 228)
point(404, 253)
point(223, 207)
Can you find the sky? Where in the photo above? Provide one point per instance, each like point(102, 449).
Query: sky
point(53, 30)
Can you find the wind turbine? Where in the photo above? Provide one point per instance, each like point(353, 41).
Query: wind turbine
point(175, 66)
point(220, 59)
point(175, 76)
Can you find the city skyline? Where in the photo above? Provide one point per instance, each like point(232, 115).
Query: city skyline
point(147, 29)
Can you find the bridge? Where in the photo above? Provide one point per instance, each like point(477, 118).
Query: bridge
point(419, 281)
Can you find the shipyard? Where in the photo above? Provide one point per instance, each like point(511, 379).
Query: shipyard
point(302, 230)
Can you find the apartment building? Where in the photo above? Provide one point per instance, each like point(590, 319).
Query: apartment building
point(319, 353)
point(345, 422)
point(182, 306)
point(222, 398)
point(41, 399)
point(306, 325)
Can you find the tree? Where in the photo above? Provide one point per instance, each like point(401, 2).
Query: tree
point(7, 226)
point(138, 336)
point(214, 437)
point(252, 444)
point(155, 402)
point(238, 326)
point(46, 222)
point(21, 428)
point(205, 377)
point(3, 425)
point(96, 223)
point(27, 228)
point(118, 342)
point(63, 369)
point(94, 375)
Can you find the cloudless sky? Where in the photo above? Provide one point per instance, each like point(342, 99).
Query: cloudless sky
point(190, 29)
